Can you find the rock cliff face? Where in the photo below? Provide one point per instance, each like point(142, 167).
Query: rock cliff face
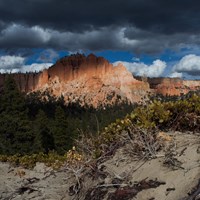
point(173, 86)
point(93, 80)
point(26, 82)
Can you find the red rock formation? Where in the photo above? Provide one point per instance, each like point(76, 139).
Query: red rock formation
point(93, 80)
point(173, 86)
point(76, 66)
point(26, 82)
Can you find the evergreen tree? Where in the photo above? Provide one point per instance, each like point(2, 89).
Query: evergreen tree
point(15, 132)
point(44, 141)
point(62, 136)
point(39, 122)
point(12, 100)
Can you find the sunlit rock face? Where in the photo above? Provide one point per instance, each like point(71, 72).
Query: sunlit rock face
point(91, 80)
point(173, 86)
point(94, 81)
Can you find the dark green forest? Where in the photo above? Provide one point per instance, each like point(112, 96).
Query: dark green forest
point(39, 122)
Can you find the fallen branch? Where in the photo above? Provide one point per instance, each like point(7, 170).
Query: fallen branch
point(195, 194)
point(111, 185)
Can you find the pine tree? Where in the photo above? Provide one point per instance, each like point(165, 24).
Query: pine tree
point(62, 137)
point(15, 132)
point(44, 140)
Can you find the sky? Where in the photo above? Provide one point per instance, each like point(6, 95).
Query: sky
point(150, 37)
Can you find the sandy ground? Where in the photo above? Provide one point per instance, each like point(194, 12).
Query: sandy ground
point(177, 168)
point(180, 179)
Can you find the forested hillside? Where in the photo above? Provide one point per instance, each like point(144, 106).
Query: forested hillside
point(39, 122)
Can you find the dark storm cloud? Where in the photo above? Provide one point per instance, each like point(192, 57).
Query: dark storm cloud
point(24, 52)
point(19, 36)
point(169, 16)
point(147, 26)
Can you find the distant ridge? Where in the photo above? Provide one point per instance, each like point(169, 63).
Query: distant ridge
point(94, 81)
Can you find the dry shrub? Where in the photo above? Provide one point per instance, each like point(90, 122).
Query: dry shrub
point(142, 143)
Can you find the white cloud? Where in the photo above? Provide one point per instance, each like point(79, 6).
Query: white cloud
point(156, 69)
point(135, 59)
point(35, 67)
point(14, 64)
point(9, 62)
point(189, 64)
point(176, 75)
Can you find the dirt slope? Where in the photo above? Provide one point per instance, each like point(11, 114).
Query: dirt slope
point(171, 175)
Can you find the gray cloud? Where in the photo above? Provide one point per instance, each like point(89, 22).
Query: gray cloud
point(48, 55)
point(21, 36)
point(106, 38)
point(77, 15)
point(18, 36)
point(141, 26)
